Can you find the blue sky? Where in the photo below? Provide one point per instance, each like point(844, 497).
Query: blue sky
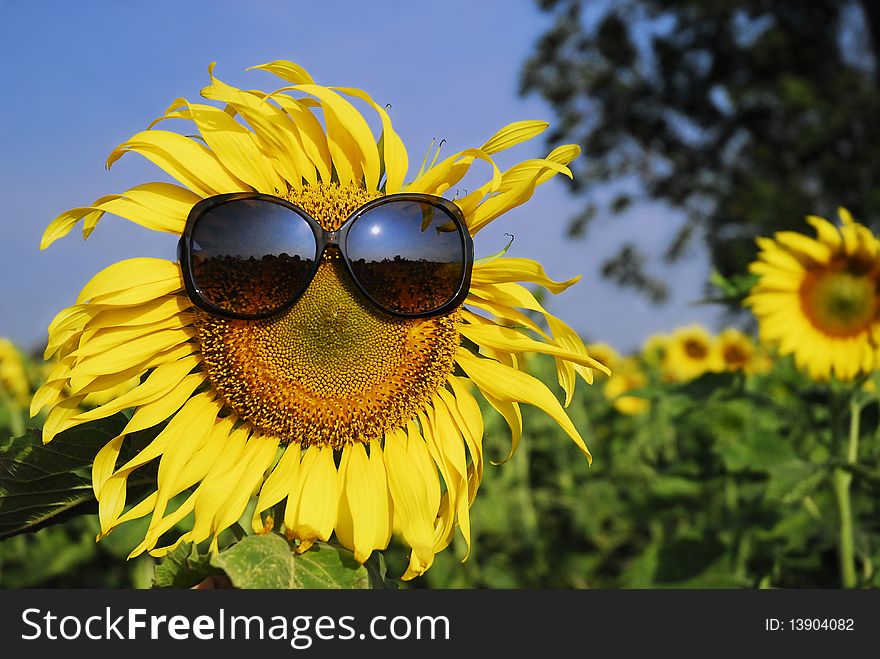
point(80, 78)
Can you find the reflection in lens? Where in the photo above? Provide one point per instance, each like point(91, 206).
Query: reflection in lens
point(408, 255)
point(251, 256)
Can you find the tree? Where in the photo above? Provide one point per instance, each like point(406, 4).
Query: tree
point(745, 115)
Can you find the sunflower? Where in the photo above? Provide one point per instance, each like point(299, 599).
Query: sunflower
point(737, 350)
point(627, 376)
point(654, 349)
point(14, 382)
point(339, 418)
point(817, 299)
point(690, 352)
point(605, 354)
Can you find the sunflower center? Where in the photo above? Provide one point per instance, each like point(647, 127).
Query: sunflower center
point(695, 349)
point(333, 368)
point(734, 355)
point(840, 303)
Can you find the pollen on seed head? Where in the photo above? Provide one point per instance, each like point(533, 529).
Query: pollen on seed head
point(333, 368)
point(331, 204)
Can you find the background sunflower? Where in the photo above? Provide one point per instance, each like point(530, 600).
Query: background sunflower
point(818, 298)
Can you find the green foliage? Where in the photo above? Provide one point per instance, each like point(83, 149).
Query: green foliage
point(184, 567)
point(744, 115)
point(268, 561)
point(46, 484)
point(66, 555)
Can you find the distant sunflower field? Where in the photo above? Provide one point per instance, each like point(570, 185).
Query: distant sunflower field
point(722, 459)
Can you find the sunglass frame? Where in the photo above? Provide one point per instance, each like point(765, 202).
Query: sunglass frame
point(323, 239)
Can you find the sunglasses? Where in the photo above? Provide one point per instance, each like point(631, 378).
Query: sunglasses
point(249, 255)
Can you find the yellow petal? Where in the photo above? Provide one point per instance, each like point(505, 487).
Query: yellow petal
point(214, 489)
point(157, 206)
point(513, 134)
point(518, 269)
point(798, 242)
point(351, 142)
point(416, 498)
point(124, 356)
point(89, 383)
point(159, 383)
point(113, 489)
point(96, 341)
point(470, 427)
point(278, 484)
point(105, 463)
point(259, 454)
point(562, 154)
point(47, 394)
point(512, 415)
point(513, 385)
point(162, 526)
point(451, 447)
point(511, 340)
point(72, 319)
point(441, 177)
point(394, 156)
point(185, 433)
point(826, 232)
point(149, 414)
point(505, 313)
point(161, 308)
point(279, 138)
point(133, 281)
point(60, 418)
point(444, 525)
point(312, 505)
point(311, 134)
point(531, 172)
point(185, 159)
point(364, 518)
point(235, 147)
point(286, 70)
point(499, 204)
point(63, 224)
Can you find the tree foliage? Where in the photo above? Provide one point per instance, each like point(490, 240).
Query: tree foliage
point(744, 115)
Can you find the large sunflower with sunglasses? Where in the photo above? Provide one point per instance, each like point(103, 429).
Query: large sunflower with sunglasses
point(320, 341)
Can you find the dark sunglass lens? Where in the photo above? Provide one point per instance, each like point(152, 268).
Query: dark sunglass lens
point(251, 256)
point(408, 255)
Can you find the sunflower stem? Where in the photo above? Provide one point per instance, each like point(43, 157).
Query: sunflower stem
point(16, 417)
point(841, 482)
point(237, 531)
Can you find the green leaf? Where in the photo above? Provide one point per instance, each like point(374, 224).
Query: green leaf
point(686, 558)
point(326, 566)
point(268, 561)
point(46, 484)
point(704, 386)
point(761, 451)
point(732, 289)
point(671, 487)
point(184, 567)
point(40, 484)
point(792, 480)
point(377, 571)
point(39, 560)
